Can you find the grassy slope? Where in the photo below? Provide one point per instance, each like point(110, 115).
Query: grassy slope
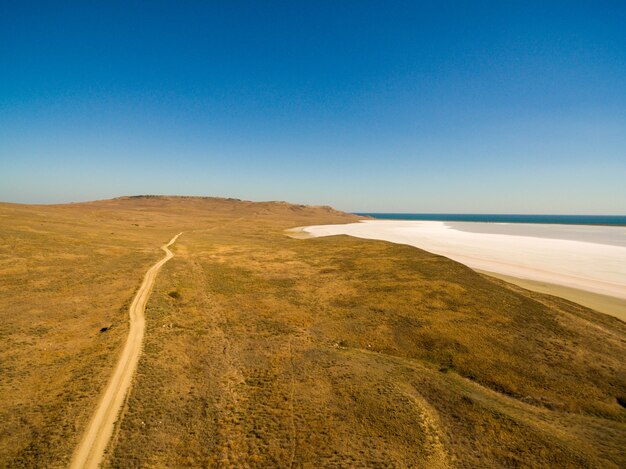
point(279, 351)
point(67, 271)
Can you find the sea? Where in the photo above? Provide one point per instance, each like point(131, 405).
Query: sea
point(605, 220)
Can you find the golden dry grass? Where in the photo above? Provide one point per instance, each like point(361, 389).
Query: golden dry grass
point(262, 350)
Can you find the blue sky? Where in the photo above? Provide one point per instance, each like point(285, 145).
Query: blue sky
point(367, 106)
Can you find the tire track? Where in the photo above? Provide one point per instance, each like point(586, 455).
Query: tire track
point(90, 451)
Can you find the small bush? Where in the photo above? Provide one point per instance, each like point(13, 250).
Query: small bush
point(174, 294)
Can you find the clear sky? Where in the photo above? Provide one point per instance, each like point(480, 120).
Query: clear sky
point(503, 107)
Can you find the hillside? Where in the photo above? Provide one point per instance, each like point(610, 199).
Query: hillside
point(264, 350)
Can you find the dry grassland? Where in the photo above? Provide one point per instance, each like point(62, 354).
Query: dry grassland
point(263, 351)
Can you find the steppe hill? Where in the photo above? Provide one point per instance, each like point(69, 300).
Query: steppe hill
point(263, 350)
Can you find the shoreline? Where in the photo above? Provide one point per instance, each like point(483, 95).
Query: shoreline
point(618, 221)
point(588, 268)
point(605, 304)
point(299, 232)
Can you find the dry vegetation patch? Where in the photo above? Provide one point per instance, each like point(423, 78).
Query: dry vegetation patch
point(263, 350)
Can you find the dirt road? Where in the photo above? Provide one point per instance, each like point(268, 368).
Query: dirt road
point(91, 449)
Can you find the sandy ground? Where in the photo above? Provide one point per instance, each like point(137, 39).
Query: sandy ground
point(588, 260)
point(91, 449)
point(602, 303)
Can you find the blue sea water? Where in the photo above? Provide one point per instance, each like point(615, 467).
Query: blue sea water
point(610, 220)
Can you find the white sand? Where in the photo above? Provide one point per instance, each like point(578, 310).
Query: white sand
point(597, 266)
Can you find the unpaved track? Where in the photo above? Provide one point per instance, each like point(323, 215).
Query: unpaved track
point(91, 449)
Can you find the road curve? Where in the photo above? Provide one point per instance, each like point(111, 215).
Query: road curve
point(90, 451)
